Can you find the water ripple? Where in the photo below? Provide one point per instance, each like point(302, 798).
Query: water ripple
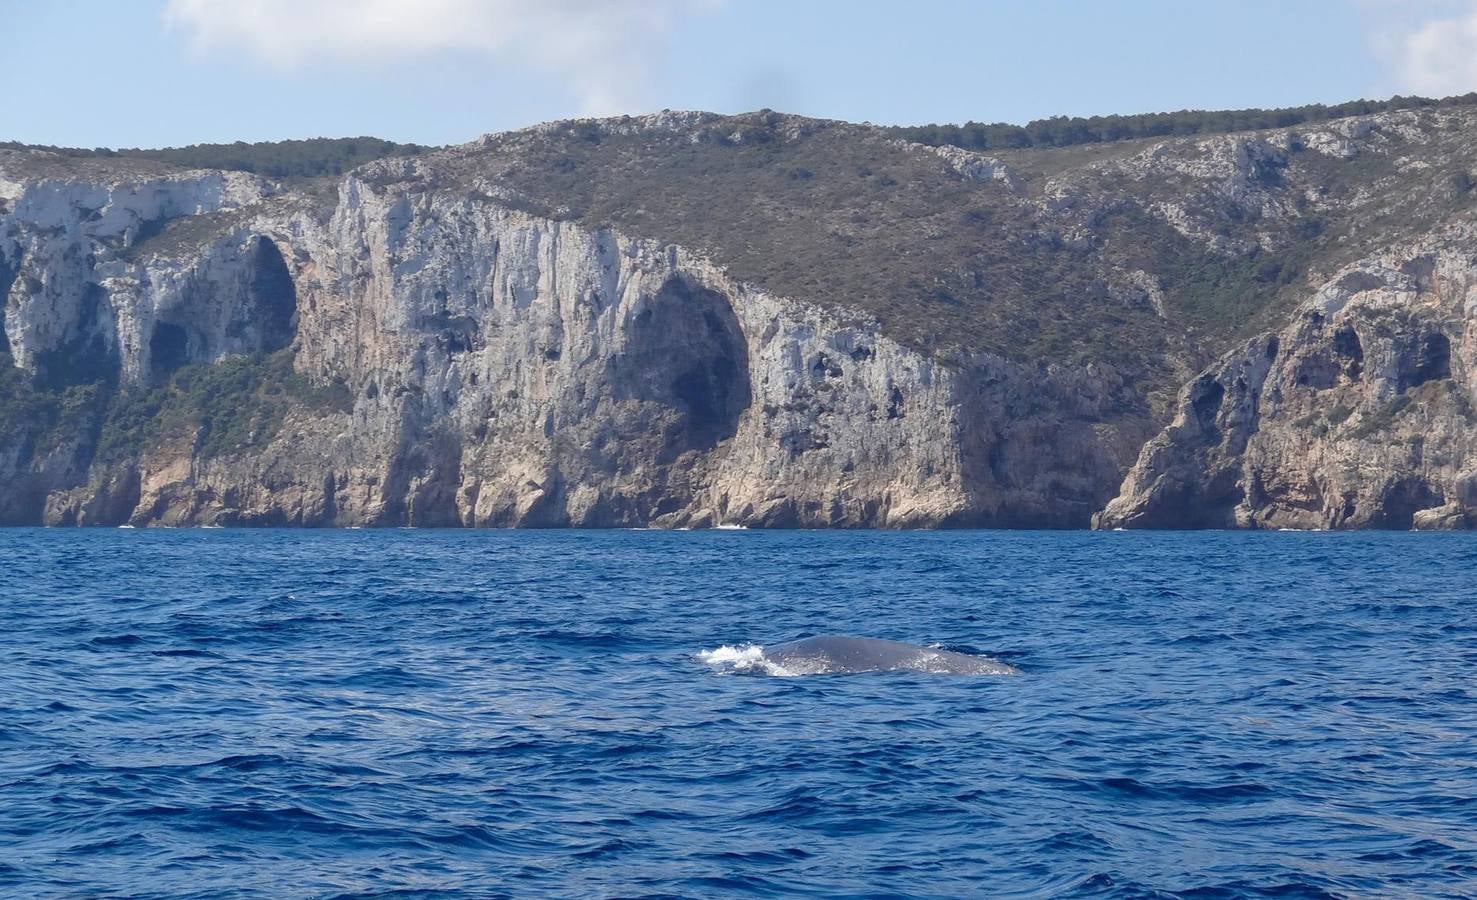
point(422, 713)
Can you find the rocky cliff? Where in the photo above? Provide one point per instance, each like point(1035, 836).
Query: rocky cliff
point(688, 320)
point(1359, 413)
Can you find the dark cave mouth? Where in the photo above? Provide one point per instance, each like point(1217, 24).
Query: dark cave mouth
point(1433, 361)
point(169, 349)
point(265, 323)
point(707, 389)
point(273, 295)
point(688, 353)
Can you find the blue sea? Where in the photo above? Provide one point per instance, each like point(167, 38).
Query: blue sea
point(276, 714)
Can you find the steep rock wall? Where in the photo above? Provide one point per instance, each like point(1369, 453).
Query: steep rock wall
point(1360, 413)
point(62, 236)
point(505, 369)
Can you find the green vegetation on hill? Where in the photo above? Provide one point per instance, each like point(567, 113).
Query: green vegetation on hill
point(850, 218)
point(334, 156)
point(237, 404)
point(843, 216)
point(1095, 252)
point(274, 159)
point(44, 415)
point(1066, 131)
point(1080, 248)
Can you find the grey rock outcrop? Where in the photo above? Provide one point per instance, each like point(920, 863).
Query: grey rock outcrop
point(507, 369)
point(1360, 413)
point(691, 320)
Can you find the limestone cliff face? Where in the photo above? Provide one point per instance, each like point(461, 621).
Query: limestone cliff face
point(62, 238)
point(501, 368)
point(691, 320)
point(1359, 413)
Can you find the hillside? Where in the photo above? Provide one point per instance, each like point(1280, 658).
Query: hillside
point(310, 158)
point(678, 318)
point(1066, 131)
point(1161, 251)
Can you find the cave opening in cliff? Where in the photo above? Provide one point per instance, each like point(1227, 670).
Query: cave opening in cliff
point(89, 355)
point(1433, 360)
point(169, 349)
point(1347, 346)
point(1401, 500)
point(686, 351)
point(273, 294)
point(1205, 402)
point(709, 385)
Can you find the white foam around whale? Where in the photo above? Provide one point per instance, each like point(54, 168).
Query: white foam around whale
point(746, 658)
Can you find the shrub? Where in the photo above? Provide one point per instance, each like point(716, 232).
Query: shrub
point(1064, 131)
point(233, 405)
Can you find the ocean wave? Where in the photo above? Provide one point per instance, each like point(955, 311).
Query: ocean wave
point(297, 714)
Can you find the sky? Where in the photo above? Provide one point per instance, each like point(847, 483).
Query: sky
point(151, 73)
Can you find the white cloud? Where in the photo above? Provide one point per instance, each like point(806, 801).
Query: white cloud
point(1430, 47)
point(603, 50)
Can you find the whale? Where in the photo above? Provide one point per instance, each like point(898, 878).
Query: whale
point(834, 654)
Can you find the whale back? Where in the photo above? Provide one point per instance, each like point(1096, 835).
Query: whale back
point(840, 654)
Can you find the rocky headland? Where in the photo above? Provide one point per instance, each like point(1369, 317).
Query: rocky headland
point(690, 320)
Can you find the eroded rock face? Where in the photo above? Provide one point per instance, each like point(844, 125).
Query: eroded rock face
point(1360, 413)
point(61, 239)
point(504, 369)
point(464, 338)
